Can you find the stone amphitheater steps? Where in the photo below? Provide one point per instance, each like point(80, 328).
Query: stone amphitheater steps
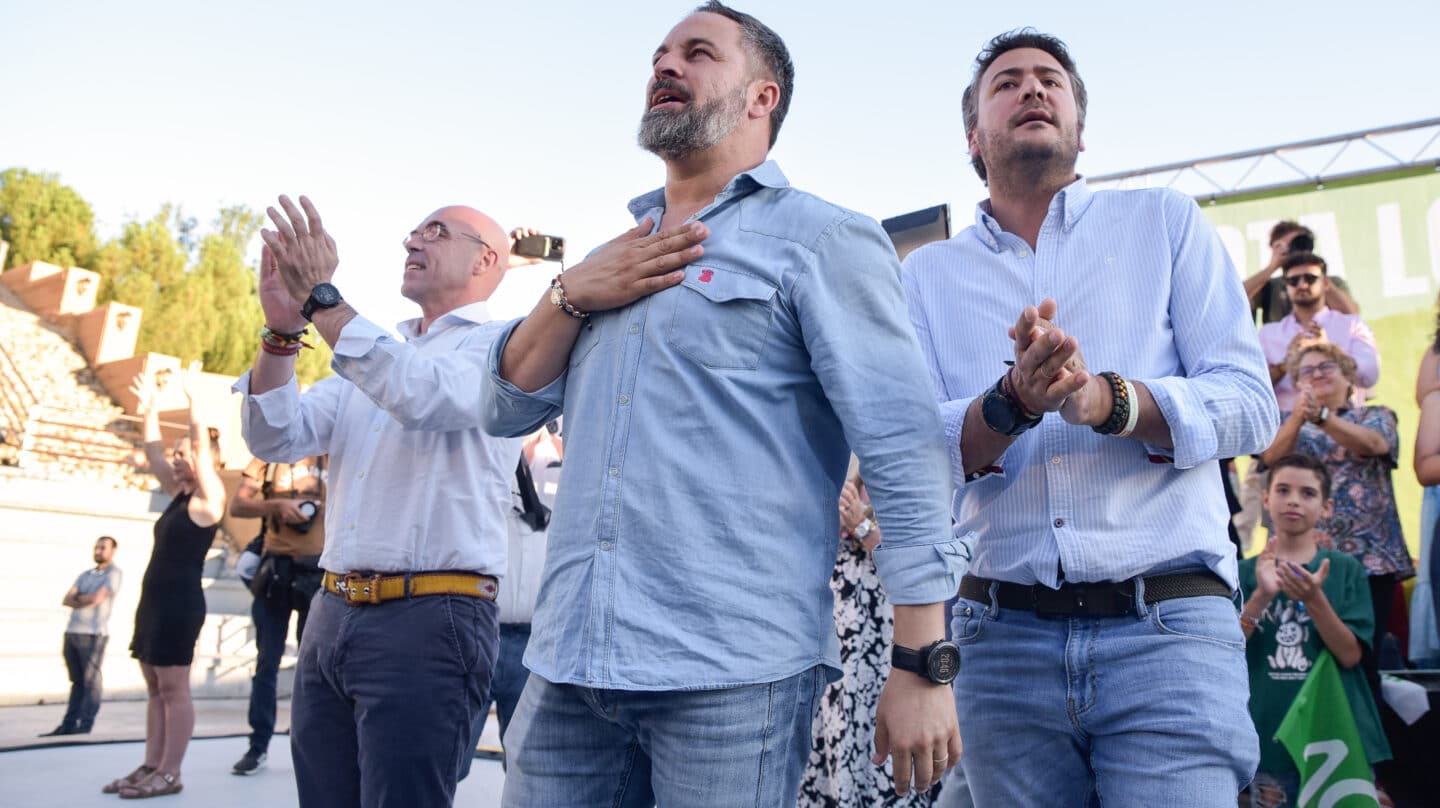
point(81, 432)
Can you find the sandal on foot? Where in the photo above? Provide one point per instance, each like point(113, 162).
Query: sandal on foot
point(114, 786)
point(158, 784)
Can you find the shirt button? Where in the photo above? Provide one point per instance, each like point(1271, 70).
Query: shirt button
point(1055, 460)
point(605, 545)
point(624, 399)
point(362, 475)
point(614, 471)
point(634, 329)
point(1059, 523)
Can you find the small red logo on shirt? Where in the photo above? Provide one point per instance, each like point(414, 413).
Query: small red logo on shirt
point(706, 275)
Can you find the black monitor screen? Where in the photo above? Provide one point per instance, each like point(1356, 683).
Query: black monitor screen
point(911, 230)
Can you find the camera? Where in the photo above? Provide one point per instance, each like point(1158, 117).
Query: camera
point(1302, 243)
point(546, 248)
point(309, 509)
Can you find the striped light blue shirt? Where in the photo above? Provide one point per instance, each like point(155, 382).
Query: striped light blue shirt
point(1143, 282)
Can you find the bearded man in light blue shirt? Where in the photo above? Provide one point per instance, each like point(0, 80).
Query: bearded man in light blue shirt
point(1093, 356)
point(715, 366)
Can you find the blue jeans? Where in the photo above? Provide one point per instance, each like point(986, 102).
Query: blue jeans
point(1143, 709)
point(84, 654)
point(505, 686)
point(385, 697)
point(270, 614)
point(580, 747)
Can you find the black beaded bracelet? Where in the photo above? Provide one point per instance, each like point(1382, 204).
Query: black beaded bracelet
point(1120, 409)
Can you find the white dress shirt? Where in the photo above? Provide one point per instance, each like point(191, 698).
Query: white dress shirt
point(415, 484)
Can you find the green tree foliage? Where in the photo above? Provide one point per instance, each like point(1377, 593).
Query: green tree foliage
point(44, 220)
point(195, 289)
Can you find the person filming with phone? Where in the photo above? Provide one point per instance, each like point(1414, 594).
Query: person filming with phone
point(289, 499)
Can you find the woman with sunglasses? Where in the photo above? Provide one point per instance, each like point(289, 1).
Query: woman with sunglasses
point(1360, 445)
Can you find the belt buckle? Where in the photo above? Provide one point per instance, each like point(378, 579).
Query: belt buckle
point(360, 589)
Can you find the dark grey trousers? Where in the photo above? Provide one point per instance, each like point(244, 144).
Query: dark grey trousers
point(385, 697)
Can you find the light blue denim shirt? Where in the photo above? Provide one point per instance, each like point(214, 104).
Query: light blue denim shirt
point(708, 428)
point(1142, 280)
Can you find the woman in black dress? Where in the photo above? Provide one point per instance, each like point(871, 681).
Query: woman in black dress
point(172, 604)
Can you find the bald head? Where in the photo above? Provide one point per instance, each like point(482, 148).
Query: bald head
point(453, 268)
point(482, 225)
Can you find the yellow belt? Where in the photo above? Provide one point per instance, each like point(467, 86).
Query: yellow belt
point(359, 590)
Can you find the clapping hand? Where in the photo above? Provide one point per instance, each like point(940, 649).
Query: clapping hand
point(1267, 575)
point(1048, 367)
point(304, 254)
point(1302, 585)
point(146, 391)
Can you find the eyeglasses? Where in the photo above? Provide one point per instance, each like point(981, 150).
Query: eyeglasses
point(435, 231)
point(1321, 369)
point(1293, 280)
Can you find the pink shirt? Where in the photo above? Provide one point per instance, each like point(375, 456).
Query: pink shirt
point(1346, 331)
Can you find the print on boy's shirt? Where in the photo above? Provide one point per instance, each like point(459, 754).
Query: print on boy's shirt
point(1292, 627)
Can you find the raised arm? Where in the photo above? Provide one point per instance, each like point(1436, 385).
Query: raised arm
point(207, 505)
point(147, 392)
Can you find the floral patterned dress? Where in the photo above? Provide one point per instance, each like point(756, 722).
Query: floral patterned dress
point(1366, 523)
point(839, 772)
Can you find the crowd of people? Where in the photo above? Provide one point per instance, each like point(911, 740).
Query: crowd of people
point(667, 617)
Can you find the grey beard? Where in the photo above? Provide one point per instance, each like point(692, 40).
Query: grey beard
point(678, 134)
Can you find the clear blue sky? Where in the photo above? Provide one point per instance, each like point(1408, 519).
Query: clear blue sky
point(382, 112)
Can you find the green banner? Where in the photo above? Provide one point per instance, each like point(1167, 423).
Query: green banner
point(1320, 733)
point(1380, 232)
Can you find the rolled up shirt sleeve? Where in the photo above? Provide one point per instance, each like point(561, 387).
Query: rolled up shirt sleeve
point(1224, 404)
point(506, 409)
point(864, 352)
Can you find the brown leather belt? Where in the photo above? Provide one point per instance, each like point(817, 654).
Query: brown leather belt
point(359, 589)
point(1109, 599)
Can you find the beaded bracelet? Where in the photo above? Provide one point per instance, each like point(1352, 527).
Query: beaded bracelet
point(563, 303)
point(1246, 621)
point(1134, 416)
point(280, 343)
point(1120, 409)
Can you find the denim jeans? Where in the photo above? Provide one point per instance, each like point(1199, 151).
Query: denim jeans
point(505, 686)
point(581, 747)
point(270, 615)
point(385, 696)
point(84, 654)
point(1143, 709)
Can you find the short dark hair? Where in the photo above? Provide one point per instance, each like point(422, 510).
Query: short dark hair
point(1013, 40)
point(113, 544)
point(767, 49)
point(1306, 463)
point(1304, 259)
point(1285, 227)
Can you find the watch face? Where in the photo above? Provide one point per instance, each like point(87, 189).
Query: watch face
point(944, 663)
point(325, 295)
point(999, 415)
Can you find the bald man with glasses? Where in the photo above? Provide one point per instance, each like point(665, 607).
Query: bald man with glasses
point(401, 640)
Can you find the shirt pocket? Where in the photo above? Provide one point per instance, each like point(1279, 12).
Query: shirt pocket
point(722, 318)
point(591, 334)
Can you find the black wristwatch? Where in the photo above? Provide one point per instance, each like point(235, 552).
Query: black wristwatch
point(1003, 414)
point(323, 296)
point(1322, 416)
point(939, 661)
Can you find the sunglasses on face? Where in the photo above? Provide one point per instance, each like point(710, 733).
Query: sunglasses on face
point(1307, 279)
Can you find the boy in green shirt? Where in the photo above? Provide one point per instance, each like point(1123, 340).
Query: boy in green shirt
point(1302, 599)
